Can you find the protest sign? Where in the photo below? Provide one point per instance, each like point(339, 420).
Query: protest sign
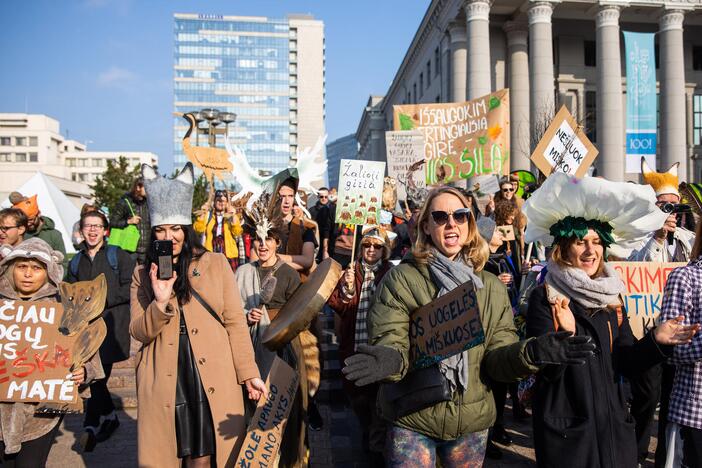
point(265, 431)
point(564, 147)
point(507, 232)
point(35, 359)
point(360, 191)
point(446, 326)
point(645, 282)
point(403, 149)
point(484, 185)
point(461, 139)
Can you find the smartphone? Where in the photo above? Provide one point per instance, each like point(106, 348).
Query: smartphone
point(164, 255)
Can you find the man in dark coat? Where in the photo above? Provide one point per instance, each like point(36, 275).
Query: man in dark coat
point(132, 209)
point(93, 258)
point(323, 213)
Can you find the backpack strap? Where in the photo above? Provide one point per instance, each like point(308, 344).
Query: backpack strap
point(73, 264)
point(112, 251)
point(207, 307)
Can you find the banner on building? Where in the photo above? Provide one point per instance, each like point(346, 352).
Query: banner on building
point(564, 147)
point(461, 139)
point(645, 283)
point(402, 150)
point(360, 191)
point(641, 115)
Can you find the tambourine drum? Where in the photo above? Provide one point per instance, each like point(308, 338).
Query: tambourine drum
point(303, 306)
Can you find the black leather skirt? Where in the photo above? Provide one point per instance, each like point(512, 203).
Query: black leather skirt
point(194, 427)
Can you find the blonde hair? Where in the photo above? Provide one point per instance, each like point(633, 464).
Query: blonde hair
point(475, 248)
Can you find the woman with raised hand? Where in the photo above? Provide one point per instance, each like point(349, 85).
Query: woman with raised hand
point(580, 412)
point(196, 354)
point(452, 425)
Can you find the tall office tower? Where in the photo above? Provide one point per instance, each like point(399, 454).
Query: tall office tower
point(269, 72)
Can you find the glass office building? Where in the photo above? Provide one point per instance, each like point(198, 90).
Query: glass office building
point(242, 65)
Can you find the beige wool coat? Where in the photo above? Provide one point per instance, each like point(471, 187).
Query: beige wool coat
point(224, 356)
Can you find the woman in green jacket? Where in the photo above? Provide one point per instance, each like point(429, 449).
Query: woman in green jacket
point(448, 252)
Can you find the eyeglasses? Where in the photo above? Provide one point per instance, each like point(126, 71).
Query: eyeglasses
point(442, 217)
point(508, 190)
point(4, 229)
point(323, 197)
point(372, 246)
point(90, 227)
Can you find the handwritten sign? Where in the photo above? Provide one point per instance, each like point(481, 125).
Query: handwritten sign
point(35, 359)
point(446, 326)
point(265, 431)
point(484, 185)
point(461, 139)
point(360, 191)
point(645, 283)
point(564, 147)
point(403, 149)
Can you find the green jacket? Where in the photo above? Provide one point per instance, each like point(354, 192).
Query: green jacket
point(502, 357)
point(52, 236)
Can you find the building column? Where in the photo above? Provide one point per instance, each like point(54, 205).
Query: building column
point(479, 82)
point(610, 112)
point(541, 80)
point(446, 69)
point(457, 34)
point(673, 145)
point(518, 69)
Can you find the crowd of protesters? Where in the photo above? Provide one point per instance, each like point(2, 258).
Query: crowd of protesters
point(557, 336)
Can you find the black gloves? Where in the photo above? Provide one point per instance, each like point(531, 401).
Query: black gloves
point(371, 364)
point(560, 348)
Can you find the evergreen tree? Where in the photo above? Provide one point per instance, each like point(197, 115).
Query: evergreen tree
point(114, 183)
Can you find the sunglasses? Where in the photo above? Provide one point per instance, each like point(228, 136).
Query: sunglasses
point(442, 217)
point(507, 190)
point(372, 246)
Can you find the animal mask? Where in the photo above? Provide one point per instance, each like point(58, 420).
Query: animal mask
point(82, 302)
point(662, 182)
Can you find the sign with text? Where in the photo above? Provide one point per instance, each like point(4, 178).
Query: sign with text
point(35, 359)
point(484, 185)
point(461, 139)
point(265, 431)
point(446, 326)
point(403, 149)
point(564, 147)
point(641, 109)
point(645, 283)
point(360, 191)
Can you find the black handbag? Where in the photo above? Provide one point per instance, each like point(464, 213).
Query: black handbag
point(419, 389)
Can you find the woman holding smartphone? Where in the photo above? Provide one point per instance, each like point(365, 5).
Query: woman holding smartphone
point(196, 353)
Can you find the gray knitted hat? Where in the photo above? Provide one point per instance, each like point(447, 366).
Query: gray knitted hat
point(486, 228)
point(170, 200)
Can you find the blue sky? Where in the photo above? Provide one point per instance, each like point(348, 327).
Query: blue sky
point(103, 68)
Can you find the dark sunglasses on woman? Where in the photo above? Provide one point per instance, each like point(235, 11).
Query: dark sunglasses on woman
point(459, 216)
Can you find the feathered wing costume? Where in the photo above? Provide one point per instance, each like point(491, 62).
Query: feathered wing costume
point(628, 209)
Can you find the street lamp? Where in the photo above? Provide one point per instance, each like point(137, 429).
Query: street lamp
point(214, 118)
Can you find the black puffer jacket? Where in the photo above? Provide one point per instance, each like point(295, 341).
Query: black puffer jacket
point(580, 414)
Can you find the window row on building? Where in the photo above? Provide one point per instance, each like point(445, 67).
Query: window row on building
point(19, 157)
point(19, 141)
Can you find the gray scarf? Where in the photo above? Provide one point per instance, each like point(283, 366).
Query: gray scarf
point(591, 293)
point(448, 275)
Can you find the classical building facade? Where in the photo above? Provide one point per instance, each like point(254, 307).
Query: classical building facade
point(269, 72)
point(550, 53)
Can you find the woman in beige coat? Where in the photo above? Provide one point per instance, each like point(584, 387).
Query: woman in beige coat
point(193, 361)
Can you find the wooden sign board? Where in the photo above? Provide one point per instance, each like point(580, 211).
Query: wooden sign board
point(360, 191)
point(402, 149)
point(507, 232)
point(645, 283)
point(564, 147)
point(461, 139)
point(265, 431)
point(446, 326)
point(35, 359)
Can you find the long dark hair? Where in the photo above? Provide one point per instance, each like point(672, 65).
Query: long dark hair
point(192, 249)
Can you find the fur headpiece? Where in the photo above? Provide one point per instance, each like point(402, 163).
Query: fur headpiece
point(662, 182)
point(170, 200)
point(263, 217)
point(29, 206)
point(36, 249)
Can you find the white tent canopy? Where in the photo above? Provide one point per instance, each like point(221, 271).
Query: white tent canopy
point(52, 203)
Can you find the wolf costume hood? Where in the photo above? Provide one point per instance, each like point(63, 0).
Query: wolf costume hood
point(170, 200)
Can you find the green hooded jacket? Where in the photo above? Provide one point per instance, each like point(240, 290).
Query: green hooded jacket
point(52, 236)
point(501, 357)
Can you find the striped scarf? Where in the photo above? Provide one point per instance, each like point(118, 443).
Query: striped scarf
point(364, 302)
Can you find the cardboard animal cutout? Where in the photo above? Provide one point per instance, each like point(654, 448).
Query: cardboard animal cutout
point(82, 302)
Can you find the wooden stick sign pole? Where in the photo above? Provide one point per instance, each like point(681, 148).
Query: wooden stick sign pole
point(353, 246)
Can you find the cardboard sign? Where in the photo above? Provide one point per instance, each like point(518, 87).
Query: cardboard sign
point(402, 149)
point(35, 359)
point(564, 147)
point(645, 283)
point(446, 326)
point(461, 139)
point(484, 185)
point(360, 191)
point(265, 432)
point(507, 232)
